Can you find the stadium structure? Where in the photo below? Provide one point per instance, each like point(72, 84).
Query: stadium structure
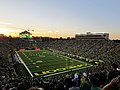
point(2, 35)
point(44, 61)
point(50, 63)
point(25, 34)
point(90, 35)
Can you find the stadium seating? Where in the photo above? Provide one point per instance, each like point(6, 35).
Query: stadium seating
point(107, 51)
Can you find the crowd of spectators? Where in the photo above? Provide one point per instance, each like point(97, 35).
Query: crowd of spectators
point(95, 78)
point(103, 50)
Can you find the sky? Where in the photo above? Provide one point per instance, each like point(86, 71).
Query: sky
point(60, 18)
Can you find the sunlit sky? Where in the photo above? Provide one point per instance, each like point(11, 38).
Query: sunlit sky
point(60, 18)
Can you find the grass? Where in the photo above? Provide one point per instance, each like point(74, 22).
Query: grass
point(43, 62)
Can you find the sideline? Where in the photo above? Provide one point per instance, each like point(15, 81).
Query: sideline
point(67, 71)
point(72, 59)
point(24, 64)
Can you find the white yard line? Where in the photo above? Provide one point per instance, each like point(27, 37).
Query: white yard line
point(24, 64)
point(58, 72)
point(67, 71)
point(73, 59)
point(26, 55)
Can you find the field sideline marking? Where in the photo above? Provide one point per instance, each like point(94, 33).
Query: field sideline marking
point(67, 71)
point(90, 65)
point(72, 59)
point(24, 64)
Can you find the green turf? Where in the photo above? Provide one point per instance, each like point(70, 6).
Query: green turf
point(48, 62)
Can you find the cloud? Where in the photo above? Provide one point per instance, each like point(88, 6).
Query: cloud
point(5, 23)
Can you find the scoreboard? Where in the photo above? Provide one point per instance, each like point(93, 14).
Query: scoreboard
point(25, 36)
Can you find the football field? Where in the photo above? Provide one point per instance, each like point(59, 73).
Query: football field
point(46, 63)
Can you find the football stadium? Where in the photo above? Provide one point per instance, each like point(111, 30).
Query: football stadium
point(59, 44)
point(54, 64)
